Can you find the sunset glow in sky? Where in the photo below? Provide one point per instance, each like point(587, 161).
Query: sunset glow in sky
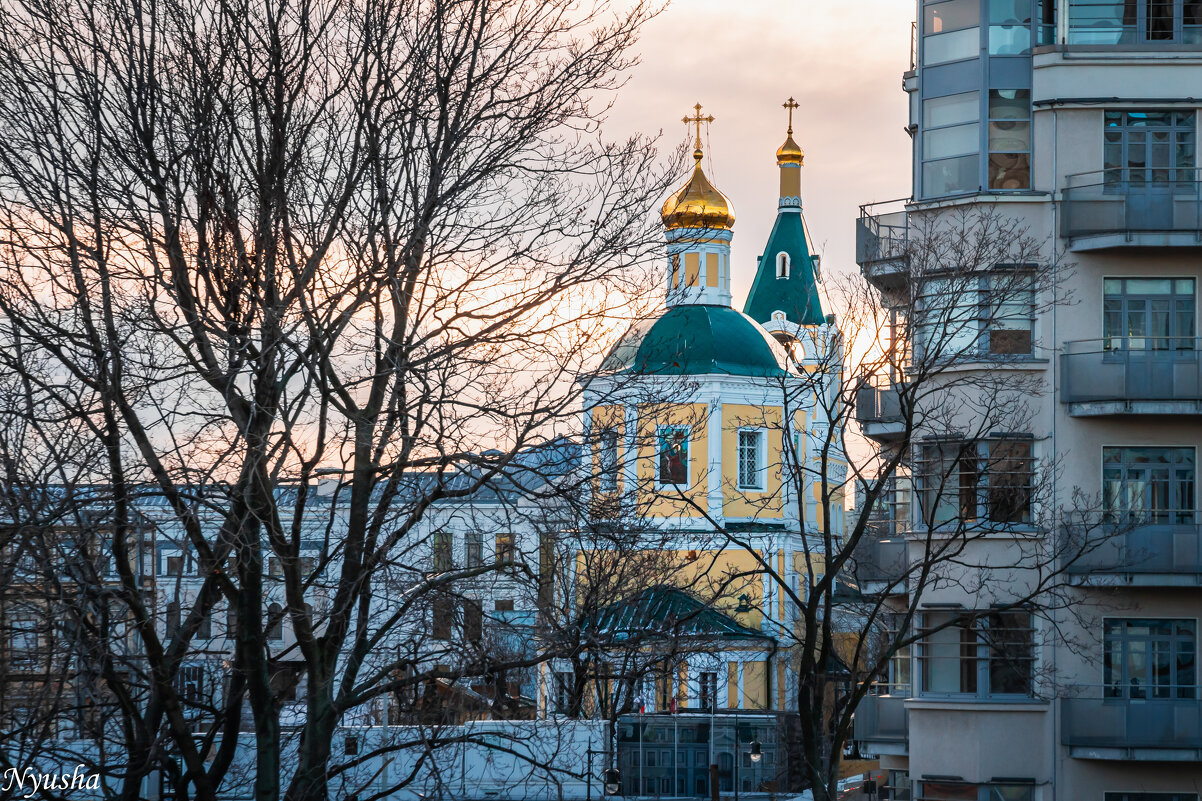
point(741, 59)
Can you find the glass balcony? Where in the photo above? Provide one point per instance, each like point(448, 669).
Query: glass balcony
point(1144, 375)
point(881, 412)
point(1121, 208)
point(882, 724)
point(1161, 553)
point(1142, 729)
point(882, 241)
point(880, 561)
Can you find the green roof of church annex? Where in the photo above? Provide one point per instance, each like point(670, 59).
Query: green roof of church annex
point(797, 295)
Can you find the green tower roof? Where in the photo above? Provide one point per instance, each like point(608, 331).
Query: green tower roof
point(797, 295)
point(696, 340)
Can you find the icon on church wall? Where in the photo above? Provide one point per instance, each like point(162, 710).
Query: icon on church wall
point(673, 455)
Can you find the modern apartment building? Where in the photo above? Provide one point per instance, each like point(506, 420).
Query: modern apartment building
point(1078, 118)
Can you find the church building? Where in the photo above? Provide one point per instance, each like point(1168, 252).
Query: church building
point(704, 420)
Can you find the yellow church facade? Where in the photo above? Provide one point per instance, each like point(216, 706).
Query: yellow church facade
point(704, 423)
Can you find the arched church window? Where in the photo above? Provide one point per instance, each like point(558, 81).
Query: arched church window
point(782, 265)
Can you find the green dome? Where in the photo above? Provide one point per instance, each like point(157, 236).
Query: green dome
point(695, 340)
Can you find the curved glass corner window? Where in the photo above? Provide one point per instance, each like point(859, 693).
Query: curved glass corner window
point(951, 110)
point(950, 176)
point(1134, 22)
point(1009, 139)
point(956, 46)
point(956, 140)
point(1009, 40)
point(942, 16)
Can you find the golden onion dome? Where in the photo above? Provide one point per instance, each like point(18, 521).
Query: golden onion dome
point(789, 152)
point(698, 204)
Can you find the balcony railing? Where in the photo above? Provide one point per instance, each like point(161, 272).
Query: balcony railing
point(1164, 550)
point(1133, 728)
point(883, 719)
point(1132, 203)
point(879, 405)
point(1133, 375)
point(882, 242)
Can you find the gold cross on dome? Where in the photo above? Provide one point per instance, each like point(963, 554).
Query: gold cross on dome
point(698, 119)
point(790, 106)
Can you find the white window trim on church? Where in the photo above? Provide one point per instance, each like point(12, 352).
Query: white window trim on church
point(754, 451)
point(783, 265)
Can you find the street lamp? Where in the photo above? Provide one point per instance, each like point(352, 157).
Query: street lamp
point(755, 751)
point(613, 781)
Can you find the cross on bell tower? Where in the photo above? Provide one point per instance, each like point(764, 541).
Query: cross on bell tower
point(698, 119)
point(792, 104)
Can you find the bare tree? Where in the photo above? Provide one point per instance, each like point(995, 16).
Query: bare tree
point(275, 266)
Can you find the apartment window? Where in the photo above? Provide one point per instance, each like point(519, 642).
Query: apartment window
point(951, 31)
point(1149, 150)
point(231, 620)
point(1149, 484)
point(1009, 27)
point(503, 605)
point(751, 459)
point(473, 622)
point(608, 459)
point(175, 566)
point(979, 315)
point(1134, 22)
point(275, 622)
point(1150, 658)
point(962, 791)
point(189, 683)
point(984, 656)
point(205, 630)
point(24, 641)
point(350, 745)
point(443, 617)
point(308, 566)
point(673, 448)
point(782, 265)
point(988, 481)
point(443, 555)
point(1149, 314)
point(473, 549)
point(274, 568)
point(173, 618)
point(505, 549)
point(707, 691)
point(951, 144)
point(1010, 136)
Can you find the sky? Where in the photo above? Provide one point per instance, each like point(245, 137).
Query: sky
point(842, 60)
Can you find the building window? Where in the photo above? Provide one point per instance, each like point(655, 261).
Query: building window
point(189, 683)
point(950, 31)
point(274, 568)
point(443, 556)
point(173, 618)
point(443, 617)
point(961, 791)
point(1143, 485)
point(751, 459)
point(951, 144)
point(473, 549)
point(1149, 314)
point(782, 265)
point(1150, 658)
point(707, 691)
point(205, 630)
point(985, 656)
point(503, 605)
point(985, 315)
point(562, 683)
point(175, 566)
point(473, 622)
point(505, 549)
point(673, 446)
point(987, 481)
point(1009, 27)
point(231, 620)
point(1149, 150)
point(350, 746)
point(1134, 22)
point(608, 459)
point(1010, 136)
point(275, 622)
